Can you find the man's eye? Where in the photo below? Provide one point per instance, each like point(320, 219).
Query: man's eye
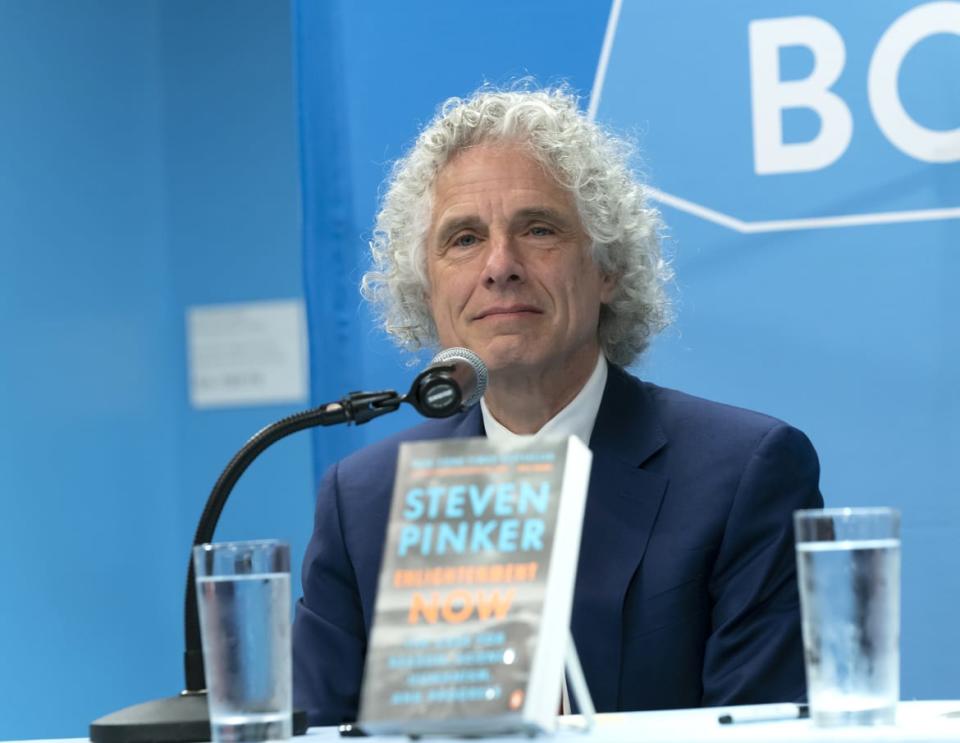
point(465, 241)
point(540, 231)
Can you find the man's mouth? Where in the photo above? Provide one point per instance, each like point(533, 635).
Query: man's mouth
point(512, 310)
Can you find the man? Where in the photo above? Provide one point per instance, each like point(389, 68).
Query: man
point(514, 228)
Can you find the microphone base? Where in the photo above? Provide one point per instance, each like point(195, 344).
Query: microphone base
point(184, 718)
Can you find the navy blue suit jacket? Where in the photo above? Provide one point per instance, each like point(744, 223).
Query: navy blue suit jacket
point(686, 588)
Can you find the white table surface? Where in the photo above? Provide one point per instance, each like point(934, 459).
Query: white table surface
point(916, 722)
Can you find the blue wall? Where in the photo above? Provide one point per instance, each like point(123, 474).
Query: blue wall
point(147, 163)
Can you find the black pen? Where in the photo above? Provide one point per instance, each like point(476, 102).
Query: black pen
point(768, 713)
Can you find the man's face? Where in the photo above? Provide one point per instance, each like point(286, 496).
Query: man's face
point(508, 264)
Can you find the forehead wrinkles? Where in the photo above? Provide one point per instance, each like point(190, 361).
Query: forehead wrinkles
point(491, 174)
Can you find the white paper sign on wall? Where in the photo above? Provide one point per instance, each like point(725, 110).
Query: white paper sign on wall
point(252, 353)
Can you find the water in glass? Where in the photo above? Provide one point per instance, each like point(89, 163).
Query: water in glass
point(850, 596)
point(245, 622)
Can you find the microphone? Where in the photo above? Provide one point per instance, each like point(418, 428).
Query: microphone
point(455, 379)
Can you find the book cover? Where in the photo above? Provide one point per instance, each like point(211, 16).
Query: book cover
point(476, 588)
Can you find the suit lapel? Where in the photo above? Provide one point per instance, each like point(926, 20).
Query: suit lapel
point(622, 506)
point(469, 424)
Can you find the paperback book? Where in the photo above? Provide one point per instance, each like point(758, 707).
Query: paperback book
point(473, 607)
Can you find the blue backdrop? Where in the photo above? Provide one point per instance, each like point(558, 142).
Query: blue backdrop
point(807, 158)
point(148, 163)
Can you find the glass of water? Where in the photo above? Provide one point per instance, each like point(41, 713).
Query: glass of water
point(848, 564)
point(243, 593)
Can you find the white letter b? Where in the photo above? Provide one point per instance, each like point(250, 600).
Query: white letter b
point(770, 95)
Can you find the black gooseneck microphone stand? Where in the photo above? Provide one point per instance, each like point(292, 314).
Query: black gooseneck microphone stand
point(184, 718)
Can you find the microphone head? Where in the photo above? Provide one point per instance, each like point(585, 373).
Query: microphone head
point(468, 357)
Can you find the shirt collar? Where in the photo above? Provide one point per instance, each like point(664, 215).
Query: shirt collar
point(577, 418)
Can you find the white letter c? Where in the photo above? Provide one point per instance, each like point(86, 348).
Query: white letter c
point(929, 145)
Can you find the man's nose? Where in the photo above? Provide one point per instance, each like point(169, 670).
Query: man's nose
point(504, 262)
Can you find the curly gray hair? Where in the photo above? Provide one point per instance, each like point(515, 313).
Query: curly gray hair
point(623, 228)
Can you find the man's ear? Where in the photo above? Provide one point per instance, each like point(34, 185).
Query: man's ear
point(608, 286)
